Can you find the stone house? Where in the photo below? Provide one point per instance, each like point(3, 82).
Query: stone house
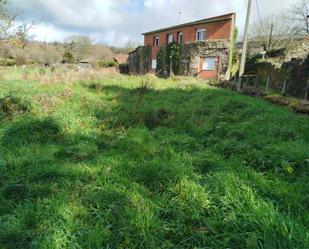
point(205, 47)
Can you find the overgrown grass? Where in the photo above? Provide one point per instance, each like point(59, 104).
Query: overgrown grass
point(138, 162)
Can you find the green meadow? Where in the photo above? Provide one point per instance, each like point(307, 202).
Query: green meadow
point(139, 162)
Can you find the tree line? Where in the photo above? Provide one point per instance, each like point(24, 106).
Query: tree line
point(282, 28)
point(18, 47)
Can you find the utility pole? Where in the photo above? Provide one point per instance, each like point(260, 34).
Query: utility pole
point(244, 49)
point(270, 35)
point(307, 24)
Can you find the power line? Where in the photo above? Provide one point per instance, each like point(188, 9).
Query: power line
point(259, 13)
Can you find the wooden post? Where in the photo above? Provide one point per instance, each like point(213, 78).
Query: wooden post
point(284, 86)
point(270, 36)
point(256, 82)
point(267, 83)
point(235, 79)
point(239, 83)
point(247, 80)
point(307, 91)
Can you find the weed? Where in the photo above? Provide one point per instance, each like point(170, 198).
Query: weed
point(12, 105)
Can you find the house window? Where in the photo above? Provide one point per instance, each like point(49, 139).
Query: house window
point(170, 38)
point(209, 63)
point(154, 64)
point(156, 41)
point(180, 37)
point(201, 35)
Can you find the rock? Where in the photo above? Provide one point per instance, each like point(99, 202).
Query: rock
point(303, 107)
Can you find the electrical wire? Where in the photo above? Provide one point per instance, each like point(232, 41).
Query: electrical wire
point(259, 13)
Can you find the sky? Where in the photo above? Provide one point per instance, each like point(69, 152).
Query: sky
point(115, 22)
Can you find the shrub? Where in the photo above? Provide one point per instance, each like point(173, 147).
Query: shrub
point(53, 69)
point(42, 71)
point(11, 105)
point(68, 57)
point(7, 62)
point(107, 64)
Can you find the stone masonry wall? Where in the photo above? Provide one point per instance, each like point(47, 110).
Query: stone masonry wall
point(189, 58)
point(191, 53)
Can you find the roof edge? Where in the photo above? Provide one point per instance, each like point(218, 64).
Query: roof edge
point(220, 18)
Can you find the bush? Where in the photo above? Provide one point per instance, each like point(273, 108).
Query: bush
point(7, 62)
point(42, 71)
point(11, 105)
point(53, 69)
point(68, 57)
point(107, 64)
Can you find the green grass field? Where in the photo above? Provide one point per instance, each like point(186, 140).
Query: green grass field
point(139, 162)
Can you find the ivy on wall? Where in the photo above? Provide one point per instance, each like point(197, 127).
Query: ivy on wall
point(234, 60)
point(142, 60)
point(161, 69)
point(169, 58)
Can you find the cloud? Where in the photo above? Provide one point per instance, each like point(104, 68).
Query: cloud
point(114, 22)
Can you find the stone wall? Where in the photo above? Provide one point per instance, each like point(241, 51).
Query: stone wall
point(140, 60)
point(189, 58)
point(295, 72)
point(298, 49)
point(191, 53)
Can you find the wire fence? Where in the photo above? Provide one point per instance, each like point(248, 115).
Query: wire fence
point(283, 86)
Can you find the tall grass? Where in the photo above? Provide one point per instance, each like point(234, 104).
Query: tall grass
point(140, 162)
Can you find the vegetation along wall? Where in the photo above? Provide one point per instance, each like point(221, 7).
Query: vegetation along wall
point(184, 59)
point(140, 60)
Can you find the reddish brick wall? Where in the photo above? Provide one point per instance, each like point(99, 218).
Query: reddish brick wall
point(212, 74)
point(216, 30)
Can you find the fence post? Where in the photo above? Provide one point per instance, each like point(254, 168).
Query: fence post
point(267, 83)
point(239, 83)
point(235, 79)
point(284, 86)
point(247, 80)
point(307, 91)
point(256, 82)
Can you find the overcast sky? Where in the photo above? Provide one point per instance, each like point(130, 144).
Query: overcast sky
point(114, 22)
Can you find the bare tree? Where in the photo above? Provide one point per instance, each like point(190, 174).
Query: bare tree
point(7, 21)
point(79, 45)
point(299, 14)
point(274, 31)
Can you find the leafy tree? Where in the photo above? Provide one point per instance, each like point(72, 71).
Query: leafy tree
point(6, 22)
point(68, 57)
